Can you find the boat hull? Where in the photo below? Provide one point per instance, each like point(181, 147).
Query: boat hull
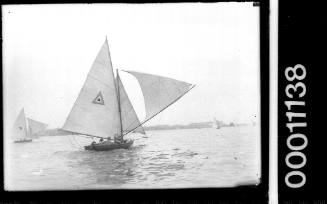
point(23, 141)
point(108, 147)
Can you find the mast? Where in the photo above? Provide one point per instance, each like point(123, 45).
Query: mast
point(119, 107)
point(29, 129)
point(117, 93)
point(86, 135)
point(26, 125)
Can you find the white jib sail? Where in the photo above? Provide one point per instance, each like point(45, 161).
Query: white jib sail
point(35, 126)
point(20, 128)
point(159, 92)
point(129, 118)
point(95, 111)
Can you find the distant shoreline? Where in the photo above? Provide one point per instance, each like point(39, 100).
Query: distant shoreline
point(60, 132)
point(191, 126)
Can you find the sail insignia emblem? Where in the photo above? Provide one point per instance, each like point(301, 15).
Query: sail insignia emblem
point(99, 99)
point(20, 128)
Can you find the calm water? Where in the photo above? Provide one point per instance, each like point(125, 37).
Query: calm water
point(162, 159)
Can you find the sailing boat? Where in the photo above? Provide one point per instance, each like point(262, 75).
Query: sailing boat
point(103, 109)
point(26, 129)
point(216, 124)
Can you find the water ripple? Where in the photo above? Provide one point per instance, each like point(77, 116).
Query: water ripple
point(162, 159)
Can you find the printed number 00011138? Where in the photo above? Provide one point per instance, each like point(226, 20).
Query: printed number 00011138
point(298, 91)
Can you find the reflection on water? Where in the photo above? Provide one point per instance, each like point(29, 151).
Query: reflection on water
point(162, 159)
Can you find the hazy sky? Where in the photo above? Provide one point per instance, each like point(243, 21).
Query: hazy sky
point(49, 49)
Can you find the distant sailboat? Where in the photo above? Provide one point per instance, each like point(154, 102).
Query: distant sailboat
point(103, 109)
point(253, 123)
point(26, 129)
point(216, 124)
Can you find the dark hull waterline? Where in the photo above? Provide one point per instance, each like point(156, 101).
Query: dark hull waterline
point(108, 147)
point(23, 141)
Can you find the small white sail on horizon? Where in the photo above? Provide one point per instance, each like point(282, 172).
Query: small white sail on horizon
point(103, 109)
point(20, 131)
point(26, 128)
point(216, 124)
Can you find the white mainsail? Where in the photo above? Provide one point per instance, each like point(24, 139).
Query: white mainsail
point(103, 109)
point(159, 92)
point(129, 118)
point(95, 111)
point(35, 126)
point(20, 128)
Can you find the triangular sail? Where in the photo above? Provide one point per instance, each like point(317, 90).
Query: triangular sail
point(129, 118)
point(20, 129)
point(159, 92)
point(35, 127)
point(95, 111)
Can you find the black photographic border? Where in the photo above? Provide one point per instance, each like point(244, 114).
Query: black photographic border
point(302, 41)
point(241, 194)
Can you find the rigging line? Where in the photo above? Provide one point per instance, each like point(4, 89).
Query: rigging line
point(162, 109)
point(78, 144)
point(71, 143)
point(74, 142)
point(80, 134)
